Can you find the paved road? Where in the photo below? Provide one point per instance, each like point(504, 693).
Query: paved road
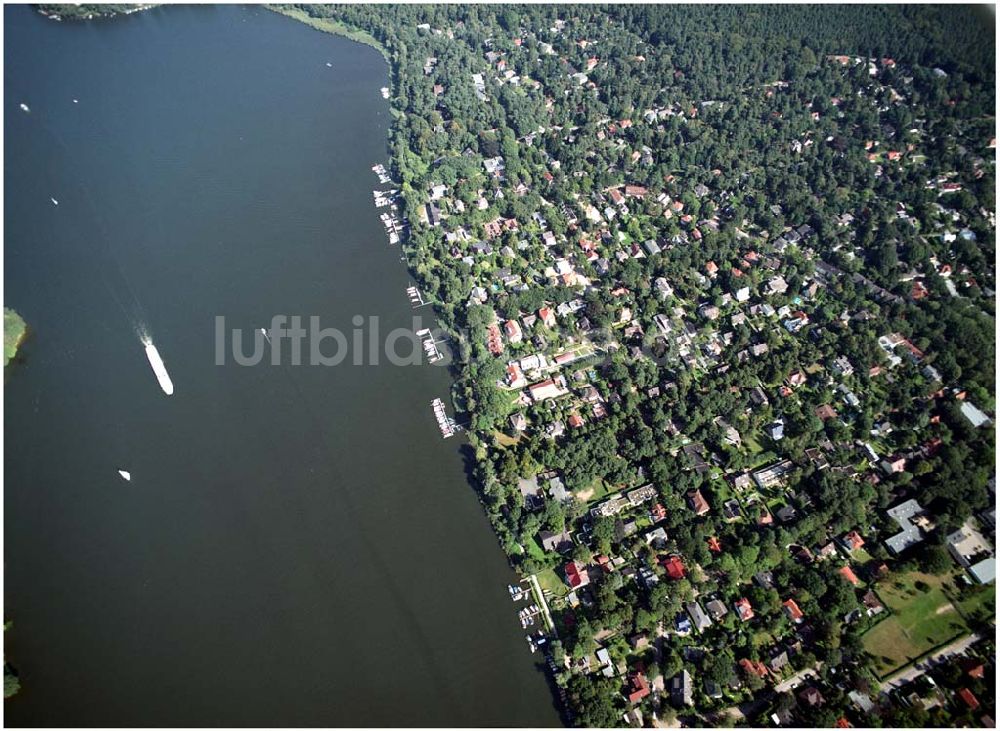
point(795, 681)
point(955, 648)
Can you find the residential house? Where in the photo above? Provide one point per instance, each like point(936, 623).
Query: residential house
point(744, 609)
point(560, 542)
point(681, 689)
point(910, 534)
point(852, 541)
point(825, 412)
point(791, 609)
point(811, 696)
point(966, 545)
point(513, 331)
point(698, 616)
point(753, 667)
point(637, 687)
point(576, 575)
point(842, 366)
point(547, 316)
point(985, 571)
point(549, 388)
point(848, 575)
point(717, 609)
point(871, 603)
point(697, 502)
point(604, 657)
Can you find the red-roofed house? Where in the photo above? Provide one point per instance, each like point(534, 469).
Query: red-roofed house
point(744, 609)
point(711, 267)
point(674, 567)
point(547, 316)
point(848, 574)
point(971, 667)
point(792, 610)
point(513, 331)
point(658, 513)
point(713, 545)
point(576, 575)
point(493, 341)
point(969, 698)
point(753, 667)
point(697, 502)
point(637, 688)
point(825, 412)
point(853, 541)
point(515, 378)
point(843, 723)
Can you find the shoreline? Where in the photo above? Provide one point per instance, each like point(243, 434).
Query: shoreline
point(460, 370)
point(60, 12)
point(333, 27)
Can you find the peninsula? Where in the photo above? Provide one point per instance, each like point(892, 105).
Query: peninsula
point(14, 332)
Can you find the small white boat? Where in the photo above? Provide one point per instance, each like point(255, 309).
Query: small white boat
point(54, 201)
point(76, 101)
point(329, 65)
point(159, 369)
point(127, 476)
point(24, 107)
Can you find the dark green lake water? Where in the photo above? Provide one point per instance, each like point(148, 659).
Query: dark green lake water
point(297, 546)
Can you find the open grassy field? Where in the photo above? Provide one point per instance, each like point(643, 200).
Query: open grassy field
point(922, 618)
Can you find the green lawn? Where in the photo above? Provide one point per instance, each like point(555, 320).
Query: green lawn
point(14, 329)
point(921, 620)
point(534, 549)
point(752, 445)
point(549, 581)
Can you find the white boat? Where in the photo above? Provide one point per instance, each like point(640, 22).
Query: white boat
point(266, 336)
point(385, 92)
point(153, 355)
point(24, 107)
point(329, 65)
point(127, 476)
point(54, 201)
point(76, 101)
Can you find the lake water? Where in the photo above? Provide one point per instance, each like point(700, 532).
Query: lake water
point(297, 546)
